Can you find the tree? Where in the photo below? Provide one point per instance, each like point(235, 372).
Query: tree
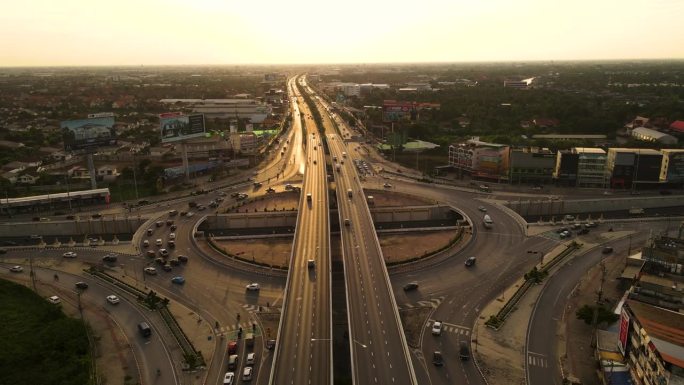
point(605, 316)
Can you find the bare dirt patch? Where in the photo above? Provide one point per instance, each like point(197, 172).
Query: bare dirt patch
point(402, 247)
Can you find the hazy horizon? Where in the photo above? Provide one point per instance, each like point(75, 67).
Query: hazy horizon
point(76, 33)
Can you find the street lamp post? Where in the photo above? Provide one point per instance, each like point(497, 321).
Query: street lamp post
point(541, 256)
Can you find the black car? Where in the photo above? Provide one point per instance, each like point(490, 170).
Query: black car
point(81, 285)
point(607, 250)
point(437, 358)
point(109, 258)
point(411, 286)
point(470, 261)
point(464, 351)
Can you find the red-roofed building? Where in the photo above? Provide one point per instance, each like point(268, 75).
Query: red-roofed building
point(677, 126)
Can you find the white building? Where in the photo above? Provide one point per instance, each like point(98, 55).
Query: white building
point(648, 135)
point(226, 108)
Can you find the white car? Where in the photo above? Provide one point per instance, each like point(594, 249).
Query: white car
point(437, 328)
point(482, 208)
point(113, 299)
point(252, 286)
point(387, 185)
point(54, 299)
point(158, 242)
point(251, 359)
point(69, 254)
point(16, 269)
point(247, 374)
point(228, 378)
point(189, 214)
point(146, 243)
point(150, 270)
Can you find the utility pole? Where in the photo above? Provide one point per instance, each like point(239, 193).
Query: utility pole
point(599, 295)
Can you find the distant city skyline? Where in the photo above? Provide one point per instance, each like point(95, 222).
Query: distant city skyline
point(208, 32)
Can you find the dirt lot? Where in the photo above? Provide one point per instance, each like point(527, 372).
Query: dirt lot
point(395, 247)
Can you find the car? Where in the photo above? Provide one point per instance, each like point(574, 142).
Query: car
point(163, 252)
point(150, 231)
point(173, 262)
point(411, 286)
point(109, 258)
point(607, 250)
point(213, 204)
point(173, 227)
point(150, 271)
point(234, 194)
point(270, 190)
point(437, 358)
point(172, 244)
point(270, 344)
point(565, 234)
point(159, 223)
point(69, 254)
point(151, 253)
point(113, 299)
point(173, 213)
point(172, 236)
point(252, 286)
point(569, 217)
point(167, 267)
point(54, 299)
point(288, 187)
point(159, 242)
point(464, 351)
point(146, 243)
point(347, 222)
point(247, 374)
point(16, 269)
point(232, 347)
point(233, 361)
point(591, 224)
point(482, 208)
point(159, 261)
point(583, 230)
point(169, 222)
point(189, 214)
point(251, 359)
point(311, 263)
point(387, 185)
point(437, 328)
point(228, 378)
point(177, 280)
point(470, 261)
point(183, 213)
point(182, 258)
point(201, 207)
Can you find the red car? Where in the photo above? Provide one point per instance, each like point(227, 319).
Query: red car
point(232, 347)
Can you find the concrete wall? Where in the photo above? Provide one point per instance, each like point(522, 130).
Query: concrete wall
point(289, 218)
point(72, 228)
point(546, 207)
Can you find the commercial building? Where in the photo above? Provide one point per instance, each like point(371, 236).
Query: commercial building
point(225, 108)
point(531, 165)
point(672, 166)
point(653, 136)
point(591, 167)
point(520, 84)
point(629, 167)
point(479, 159)
point(565, 170)
point(652, 340)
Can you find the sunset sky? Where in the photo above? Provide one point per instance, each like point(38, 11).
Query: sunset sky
point(175, 32)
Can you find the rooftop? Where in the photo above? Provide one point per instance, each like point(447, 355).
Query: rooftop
point(665, 329)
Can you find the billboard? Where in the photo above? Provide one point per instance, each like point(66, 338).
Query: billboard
point(88, 133)
point(624, 331)
point(176, 126)
point(393, 111)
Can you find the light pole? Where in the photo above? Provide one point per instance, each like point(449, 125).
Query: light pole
point(541, 256)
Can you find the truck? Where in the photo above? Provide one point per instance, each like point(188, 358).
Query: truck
point(344, 154)
point(487, 221)
point(349, 192)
